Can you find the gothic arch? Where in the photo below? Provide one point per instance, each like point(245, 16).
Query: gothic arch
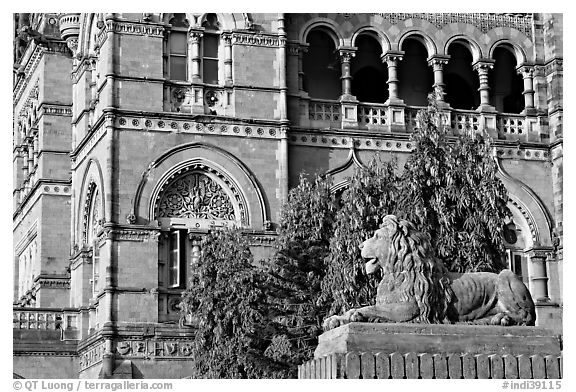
point(423, 38)
point(227, 170)
point(525, 200)
point(517, 51)
point(92, 182)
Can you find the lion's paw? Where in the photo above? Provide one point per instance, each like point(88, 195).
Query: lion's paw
point(331, 323)
point(356, 316)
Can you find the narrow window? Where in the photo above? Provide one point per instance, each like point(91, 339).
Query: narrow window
point(174, 259)
point(95, 268)
point(178, 47)
point(178, 54)
point(210, 58)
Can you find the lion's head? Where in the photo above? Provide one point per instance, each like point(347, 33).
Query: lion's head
point(399, 249)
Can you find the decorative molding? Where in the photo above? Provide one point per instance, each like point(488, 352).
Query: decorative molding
point(271, 41)
point(55, 110)
point(399, 144)
point(554, 65)
point(52, 283)
point(92, 355)
point(197, 197)
point(483, 21)
point(146, 124)
point(527, 216)
point(153, 348)
point(131, 28)
point(125, 234)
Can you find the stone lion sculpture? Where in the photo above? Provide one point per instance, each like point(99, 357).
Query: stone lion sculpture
point(416, 286)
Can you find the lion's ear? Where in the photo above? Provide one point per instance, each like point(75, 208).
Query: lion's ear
point(404, 228)
point(390, 227)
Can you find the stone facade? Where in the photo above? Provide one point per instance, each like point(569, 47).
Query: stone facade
point(110, 110)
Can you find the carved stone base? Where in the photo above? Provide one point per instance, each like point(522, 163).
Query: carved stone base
point(368, 350)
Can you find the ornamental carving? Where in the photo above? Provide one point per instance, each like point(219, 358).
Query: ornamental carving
point(195, 195)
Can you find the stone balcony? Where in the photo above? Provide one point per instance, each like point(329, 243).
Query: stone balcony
point(335, 115)
point(45, 324)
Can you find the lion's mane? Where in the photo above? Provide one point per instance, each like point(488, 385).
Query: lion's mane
point(421, 275)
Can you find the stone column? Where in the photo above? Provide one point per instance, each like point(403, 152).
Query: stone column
point(349, 103)
point(482, 67)
point(30, 156)
point(538, 277)
point(527, 73)
point(437, 62)
point(36, 150)
point(346, 55)
point(227, 59)
point(391, 59)
point(194, 50)
point(303, 49)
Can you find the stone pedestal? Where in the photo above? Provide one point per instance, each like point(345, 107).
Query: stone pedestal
point(368, 350)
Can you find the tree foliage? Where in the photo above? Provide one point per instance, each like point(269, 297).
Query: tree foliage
point(450, 190)
point(227, 299)
point(296, 270)
point(370, 196)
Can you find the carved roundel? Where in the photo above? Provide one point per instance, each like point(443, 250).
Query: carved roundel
point(202, 193)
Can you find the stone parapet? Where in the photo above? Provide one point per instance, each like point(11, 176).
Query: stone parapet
point(414, 365)
point(403, 350)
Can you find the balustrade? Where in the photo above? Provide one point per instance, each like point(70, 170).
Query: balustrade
point(44, 319)
point(372, 115)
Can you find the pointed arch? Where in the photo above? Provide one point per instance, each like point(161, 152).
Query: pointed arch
point(91, 200)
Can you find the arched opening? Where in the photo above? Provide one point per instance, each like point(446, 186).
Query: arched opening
point(461, 80)
point(369, 74)
point(416, 77)
point(321, 67)
point(506, 85)
point(192, 198)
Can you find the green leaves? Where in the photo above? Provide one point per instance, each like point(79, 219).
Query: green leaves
point(227, 296)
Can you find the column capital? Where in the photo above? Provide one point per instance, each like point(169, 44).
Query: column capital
point(195, 35)
point(347, 53)
point(438, 60)
point(483, 65)
point(526, 69)
point(539, 252)
point(392, 56)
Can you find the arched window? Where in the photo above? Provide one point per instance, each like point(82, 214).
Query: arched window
point(210, 49)
point(321, 67)
point(416, 77)
point(177, 47)
point(461, 80)
point(515, 245)
point(506, 85)
point(369, 74)
point(190, 202)
point(92, 228)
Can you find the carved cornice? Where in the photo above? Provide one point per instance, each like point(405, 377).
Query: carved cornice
point(55, 110)
point(554, 65)
point(52, 283)
point(271, 41)
point(91, 355)
point(130, 234)
point(132, 28)
point(194, 126)
point(483, 21)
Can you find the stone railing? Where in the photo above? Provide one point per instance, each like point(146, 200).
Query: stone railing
point(439, 366)
point(462, 121)
point(512, 126)
point(372, 115)
point(325, 112)
point(45, 319)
